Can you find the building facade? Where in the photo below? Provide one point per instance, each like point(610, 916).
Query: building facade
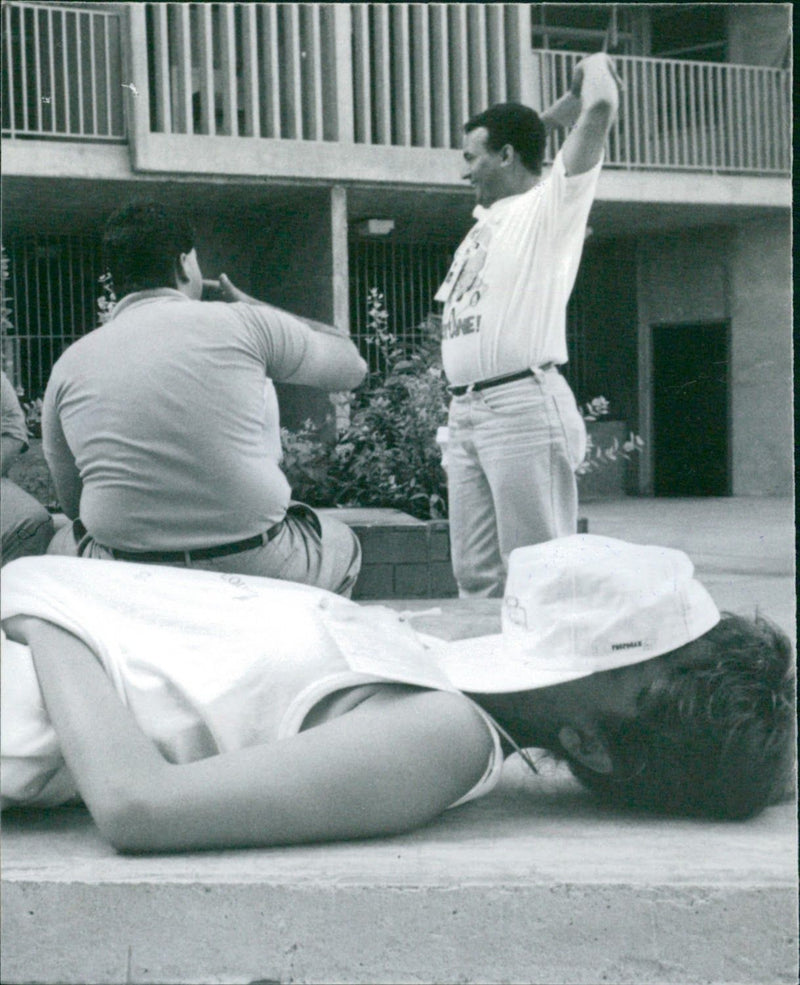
point(318, 149)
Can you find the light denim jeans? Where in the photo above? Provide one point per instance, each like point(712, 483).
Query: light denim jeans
point(511, 459)
point(27, 527)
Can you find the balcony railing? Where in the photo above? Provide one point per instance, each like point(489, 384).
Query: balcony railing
point(687, 115)
point(61, 73)
point(403, 75)
point(397, 74)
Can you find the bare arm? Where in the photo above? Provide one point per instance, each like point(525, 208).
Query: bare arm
point(60, 460)
point(10, 450)
point(228, 291)
point(393, 763)
point(563, 113)
point(15, 431)
point(332, 361)
point(595, 85)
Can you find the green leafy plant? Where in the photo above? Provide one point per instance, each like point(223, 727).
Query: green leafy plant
point(33, 416)
point(107, 300)
point(7, 352)
point(601, 456)
point(386, 455)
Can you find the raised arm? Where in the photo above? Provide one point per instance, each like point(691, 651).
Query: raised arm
point(393, 763)
point(591, 105)
point(332, 361)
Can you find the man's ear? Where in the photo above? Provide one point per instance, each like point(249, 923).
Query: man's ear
point(586, 747)
point(507, 154)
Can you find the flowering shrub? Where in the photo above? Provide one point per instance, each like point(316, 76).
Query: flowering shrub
point(33, 417)
point(107, 300)
point(598, 456)
point(386, 455)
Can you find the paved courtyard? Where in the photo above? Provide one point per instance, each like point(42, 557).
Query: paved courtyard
point(534, 884)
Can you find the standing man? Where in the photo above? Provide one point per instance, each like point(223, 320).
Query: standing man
point(516, 435)
point(27, 527)
point(161, 427)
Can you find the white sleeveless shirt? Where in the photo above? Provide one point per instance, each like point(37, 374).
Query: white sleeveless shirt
point(207, 662)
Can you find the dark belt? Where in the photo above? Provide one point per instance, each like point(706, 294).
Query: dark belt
point(199, 554)
point(459, 391)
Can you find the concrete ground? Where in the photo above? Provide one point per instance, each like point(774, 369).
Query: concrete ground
point(534, 884)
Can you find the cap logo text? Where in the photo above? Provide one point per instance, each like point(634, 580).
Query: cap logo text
point(627, 646)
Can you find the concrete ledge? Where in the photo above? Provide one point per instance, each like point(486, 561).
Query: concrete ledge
point(402, 557)
point(533, 884)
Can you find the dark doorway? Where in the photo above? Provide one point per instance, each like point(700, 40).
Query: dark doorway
point(690, 410)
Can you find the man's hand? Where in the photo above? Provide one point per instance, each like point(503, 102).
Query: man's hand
point(599, 58)
point(225, 290)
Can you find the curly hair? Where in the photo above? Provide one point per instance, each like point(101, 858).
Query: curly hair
point(142, 242)
point(515, 124)
point(714, 736)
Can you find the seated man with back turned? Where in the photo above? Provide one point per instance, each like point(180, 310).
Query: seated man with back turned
point(161, 427)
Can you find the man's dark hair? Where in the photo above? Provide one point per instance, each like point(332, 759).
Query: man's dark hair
point(715, 736)
point(515, 124)
point(142, 243)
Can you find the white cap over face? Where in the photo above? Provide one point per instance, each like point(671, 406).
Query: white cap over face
point(581, 605)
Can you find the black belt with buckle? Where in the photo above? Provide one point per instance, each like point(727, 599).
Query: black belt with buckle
point(198, 554)
point(459, 391)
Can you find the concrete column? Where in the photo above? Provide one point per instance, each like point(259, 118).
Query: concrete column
point(343, 81)
point(761, 358)
point(340, 275)
point(758, 33)
point(293, 266)
point(134, 62)
point(529, 89)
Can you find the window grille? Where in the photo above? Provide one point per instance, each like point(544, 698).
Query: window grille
point(408, 275)
point(53, 290)
point(584, 27)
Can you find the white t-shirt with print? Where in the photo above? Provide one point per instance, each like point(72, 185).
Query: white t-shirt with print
point(506, 293)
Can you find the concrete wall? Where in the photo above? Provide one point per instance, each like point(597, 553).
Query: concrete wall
point(292, 266)
point(742, 275)
point(762, 385)
point(758, 33)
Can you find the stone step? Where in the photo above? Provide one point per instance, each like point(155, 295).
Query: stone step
point(534, 884)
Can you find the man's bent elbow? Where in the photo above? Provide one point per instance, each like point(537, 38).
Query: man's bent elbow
point(359, 371)
point(128, 816)
point(126, 824)
point(348, 375)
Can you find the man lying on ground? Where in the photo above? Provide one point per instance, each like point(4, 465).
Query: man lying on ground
point(192, 709)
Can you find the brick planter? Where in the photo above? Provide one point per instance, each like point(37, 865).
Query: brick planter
point(402, 557)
